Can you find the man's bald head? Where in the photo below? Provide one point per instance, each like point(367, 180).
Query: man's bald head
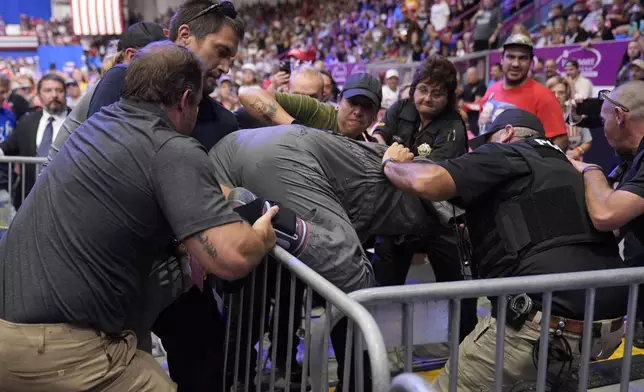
point(623, 116)
point(631, 95)
point(307, 81)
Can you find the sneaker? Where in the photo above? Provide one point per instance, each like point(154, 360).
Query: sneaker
point(638, 339)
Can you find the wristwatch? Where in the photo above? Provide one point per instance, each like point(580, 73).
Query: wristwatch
point(386, 161)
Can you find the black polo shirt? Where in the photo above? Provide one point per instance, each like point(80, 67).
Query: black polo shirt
point(495, 172)
point(633, 181)
point(213, 123)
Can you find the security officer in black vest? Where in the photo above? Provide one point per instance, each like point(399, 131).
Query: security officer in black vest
point(526, 215)
point(428, 124)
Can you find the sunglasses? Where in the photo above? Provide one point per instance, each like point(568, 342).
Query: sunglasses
point(604, 95)
point(225, 8)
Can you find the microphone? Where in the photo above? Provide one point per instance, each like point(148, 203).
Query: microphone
point(291, 231)
point(241, 196)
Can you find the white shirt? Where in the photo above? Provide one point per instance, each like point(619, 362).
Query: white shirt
point(389, 97)
point(59, 119)
point(583, 87)
point(440, 14)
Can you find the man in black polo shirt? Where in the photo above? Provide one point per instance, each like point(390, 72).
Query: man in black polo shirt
point(508, 189)
point(73, 261)
point(621, 208)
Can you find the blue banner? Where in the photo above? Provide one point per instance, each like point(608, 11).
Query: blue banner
point(59, 55)
point(12, 9)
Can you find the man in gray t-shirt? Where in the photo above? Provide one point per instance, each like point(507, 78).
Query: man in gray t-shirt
point(334, 183)
point(74, 260)
point(487, 25)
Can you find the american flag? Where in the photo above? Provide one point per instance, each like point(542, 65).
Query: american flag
point(97, 17)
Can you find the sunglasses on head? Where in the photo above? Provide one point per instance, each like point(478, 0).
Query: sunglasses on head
point(604, 95)
point(225, 8)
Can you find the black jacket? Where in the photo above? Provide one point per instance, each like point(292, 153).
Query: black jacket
point(446, 135)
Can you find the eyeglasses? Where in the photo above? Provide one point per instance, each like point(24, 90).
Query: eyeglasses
point(225, 7)
point(604, 95)
point(433, 94)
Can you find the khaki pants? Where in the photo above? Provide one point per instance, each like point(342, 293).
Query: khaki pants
point(61, 357)
point(476, 356)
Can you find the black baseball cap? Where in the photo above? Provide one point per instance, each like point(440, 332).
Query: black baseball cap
point(365, 85)
point(140, 34)
point(514, 117)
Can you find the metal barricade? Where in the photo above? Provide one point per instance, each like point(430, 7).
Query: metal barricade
point(409, 382)
point(256, 309)
point(20, 174)
point(422, 311)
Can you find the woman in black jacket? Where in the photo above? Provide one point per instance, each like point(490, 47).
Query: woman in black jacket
point(429, 125)
point(427, 120)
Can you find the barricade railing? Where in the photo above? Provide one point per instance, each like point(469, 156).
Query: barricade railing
point(20, 174)
point(255, 308)
point(422, 311)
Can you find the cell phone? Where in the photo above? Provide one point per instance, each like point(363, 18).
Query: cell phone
point(588, 107)
point(285, 66)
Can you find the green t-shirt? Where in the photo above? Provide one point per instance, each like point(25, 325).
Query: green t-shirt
point(309, 111)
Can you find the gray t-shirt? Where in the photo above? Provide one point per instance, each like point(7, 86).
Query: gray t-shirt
point(487, 23)
point(85, 238)
point(330, 180)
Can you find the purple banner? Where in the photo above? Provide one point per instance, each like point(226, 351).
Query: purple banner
point(599, 63)
point(342, 71)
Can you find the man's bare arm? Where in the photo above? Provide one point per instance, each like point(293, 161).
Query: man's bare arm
point(263, 105)
point(609, 209)
point(426, 180)
point(231, 251)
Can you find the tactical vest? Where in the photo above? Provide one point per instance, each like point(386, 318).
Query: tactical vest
point(549, 212)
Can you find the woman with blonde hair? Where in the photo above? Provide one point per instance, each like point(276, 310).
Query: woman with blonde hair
point(579, 139)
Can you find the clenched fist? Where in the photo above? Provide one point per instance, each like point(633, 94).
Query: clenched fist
point(398, 153)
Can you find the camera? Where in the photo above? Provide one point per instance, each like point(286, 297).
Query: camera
point(589, 109)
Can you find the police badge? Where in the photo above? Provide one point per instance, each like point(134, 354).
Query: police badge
point(424, 150)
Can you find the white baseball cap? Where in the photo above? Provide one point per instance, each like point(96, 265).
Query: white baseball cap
point(249, 67)
point(392, 73)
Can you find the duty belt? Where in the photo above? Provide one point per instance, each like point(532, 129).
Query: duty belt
point(576, 326)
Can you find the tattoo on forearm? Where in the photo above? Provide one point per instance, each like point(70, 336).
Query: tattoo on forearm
point(208, 247)
point(267, 110)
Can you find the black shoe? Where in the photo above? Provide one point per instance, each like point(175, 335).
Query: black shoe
point(638, 339)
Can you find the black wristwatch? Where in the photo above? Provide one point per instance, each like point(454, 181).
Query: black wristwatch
point(385, 162)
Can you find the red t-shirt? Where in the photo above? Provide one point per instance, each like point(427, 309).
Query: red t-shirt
point(531, 96)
